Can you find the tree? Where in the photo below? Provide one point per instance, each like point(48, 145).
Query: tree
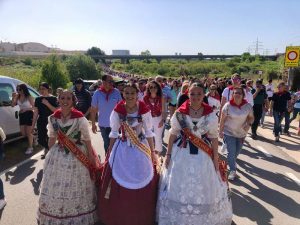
point(54, 73)
point(147, 52)
point(82, 66)
point(247, 57)
point(95, 51)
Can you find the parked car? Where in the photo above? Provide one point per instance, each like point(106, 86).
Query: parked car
point(9, 119)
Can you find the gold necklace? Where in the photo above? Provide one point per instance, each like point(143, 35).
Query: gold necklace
point(196, 110)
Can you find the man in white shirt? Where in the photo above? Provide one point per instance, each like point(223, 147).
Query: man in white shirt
point(228, 91)
point(270, 89)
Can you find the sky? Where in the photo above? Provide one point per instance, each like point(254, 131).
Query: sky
point(160, 26)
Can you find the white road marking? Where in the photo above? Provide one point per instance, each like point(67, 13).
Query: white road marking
point(264, 151)
point(22, 163)
point(293, 177)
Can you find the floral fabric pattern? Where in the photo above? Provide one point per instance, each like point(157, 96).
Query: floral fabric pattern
point(68, 194)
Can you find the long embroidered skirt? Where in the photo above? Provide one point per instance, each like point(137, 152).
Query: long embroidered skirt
point(121, 206)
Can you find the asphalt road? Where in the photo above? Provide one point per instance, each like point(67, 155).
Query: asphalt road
point(267, 191)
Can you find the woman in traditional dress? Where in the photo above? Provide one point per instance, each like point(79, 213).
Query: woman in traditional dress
point(44, 106)
point(68, 194)
point(128, 190)
point(156, 103)
point(193, 190)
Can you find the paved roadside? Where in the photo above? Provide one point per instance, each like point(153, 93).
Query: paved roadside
point(290, 145)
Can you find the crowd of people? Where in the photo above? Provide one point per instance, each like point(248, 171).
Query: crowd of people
point(140, 181)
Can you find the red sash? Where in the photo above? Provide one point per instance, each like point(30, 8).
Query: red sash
point(200, 144)
point(72, 147)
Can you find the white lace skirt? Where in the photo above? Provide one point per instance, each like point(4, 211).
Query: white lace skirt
point(192, 193)
point(68, 194)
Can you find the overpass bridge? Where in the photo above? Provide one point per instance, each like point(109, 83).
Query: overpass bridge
point(126, 58)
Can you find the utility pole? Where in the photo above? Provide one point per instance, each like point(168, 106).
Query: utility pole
point(258, 46)
point(266, 51)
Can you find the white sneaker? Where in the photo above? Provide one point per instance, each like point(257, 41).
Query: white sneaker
point(29, 151)
point(2, 203)
point(232, 175)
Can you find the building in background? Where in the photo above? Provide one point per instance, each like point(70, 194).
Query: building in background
point(23, 47)
point(120, 52)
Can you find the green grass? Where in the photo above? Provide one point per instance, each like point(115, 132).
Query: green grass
point(29, 74)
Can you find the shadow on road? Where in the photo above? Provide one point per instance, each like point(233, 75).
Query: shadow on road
point(278, 200)
point(242, 205)
point(273, 159)
point(1, 211)
point(276, 178)
point(20, 173)
point(36, 183)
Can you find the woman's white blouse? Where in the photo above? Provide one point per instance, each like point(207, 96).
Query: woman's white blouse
point(235, 119)
point(81, 124)
point(205, 125)
point(115, 124)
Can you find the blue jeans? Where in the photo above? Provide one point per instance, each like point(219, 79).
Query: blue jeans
point(234, 147)
point(105, 135)
point(278, 116)
point(295, 113)
point(262, 120)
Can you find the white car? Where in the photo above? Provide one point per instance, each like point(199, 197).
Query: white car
point(9, 116)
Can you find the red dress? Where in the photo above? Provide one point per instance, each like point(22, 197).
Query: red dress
point(119, 205)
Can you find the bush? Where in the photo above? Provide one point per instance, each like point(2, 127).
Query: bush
point(54, 73)
point(82, 66)
point(272, 74)
point(27, 61)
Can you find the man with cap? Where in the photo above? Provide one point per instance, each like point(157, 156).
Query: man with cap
point(83, 96)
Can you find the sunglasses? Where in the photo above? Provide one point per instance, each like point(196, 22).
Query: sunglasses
point(19, 89)
point(110, 81)
point(236, 79)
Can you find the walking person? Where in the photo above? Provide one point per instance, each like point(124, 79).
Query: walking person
point(25, 101)
point(278, 108)
point(128, 189)
point(260, 100)
point(142, 83)
point(228, 91)
point(296, 108)
point(289, 109)
point(44, 106)
point(236, 119)
point(175, 89)
point(68, 193)
point(192, 189)
point(83, 96)
point(155, 101)
point(104, 101)
point(213, 98)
